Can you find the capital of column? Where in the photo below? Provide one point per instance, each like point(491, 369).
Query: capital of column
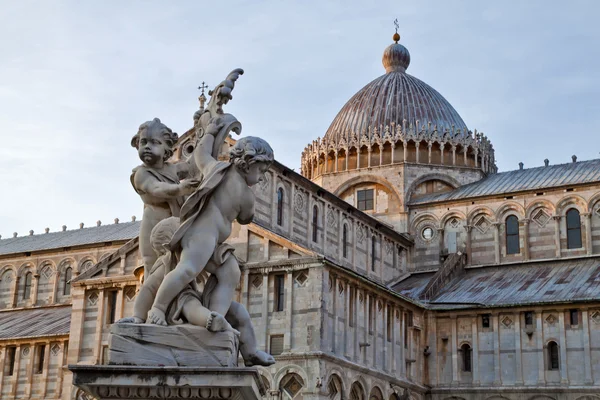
point(586, 215)
point(556, 217)
point(525, 221)
point(497, 224)
point(468, 228)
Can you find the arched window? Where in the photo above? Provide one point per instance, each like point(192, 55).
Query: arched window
point(345, 241)
point(512, 235)
point(553, 356)
point(315, 223)
point(373, 254)
point(573, 229)
point(357, 392)
point(27, 286)
point(67, 281)
point(467, 355)
point(280, 206)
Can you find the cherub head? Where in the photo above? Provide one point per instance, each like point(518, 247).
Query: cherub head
point(252, 156)
point(154, 141)
point(162, 233)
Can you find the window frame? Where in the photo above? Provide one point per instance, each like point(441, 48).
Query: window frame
point(573, 232)
point(467, 357)
point(486, 321)
point(553, 356)
point(27, 284)
point(278, 292)
point(280, 198)
point(366, 199)
point(315, 224)
point(513, 244)
point(111, 306)
point(345, 240)
point(373, 253)
point(67, 276)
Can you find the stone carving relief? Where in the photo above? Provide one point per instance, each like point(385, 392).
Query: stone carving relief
point(93, 298)
point(331, 218)
point(541, 217)
point(507, 322)
point(299, 202)
point(551, 319)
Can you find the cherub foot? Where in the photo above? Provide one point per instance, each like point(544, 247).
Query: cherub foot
point(157, 317)
point(131, 320)
point(259, 358)
point(218, 323)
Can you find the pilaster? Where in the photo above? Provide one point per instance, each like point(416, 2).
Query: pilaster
point(563, 348)
point(497, 226)
point(497, 366)
point(587, 362)
point(289, 288)
point(525, 222)
point(588, 232)
point(454, 343)
point(475, 350)
point(557, 219)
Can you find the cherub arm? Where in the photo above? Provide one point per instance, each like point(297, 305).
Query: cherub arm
point(146, 183)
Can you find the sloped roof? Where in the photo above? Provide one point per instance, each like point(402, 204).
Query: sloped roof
point(74, 237)
point(38, 322)
point(561, 281)
point(552, 176)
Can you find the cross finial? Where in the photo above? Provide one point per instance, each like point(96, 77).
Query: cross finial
point(396, 36)
point(202, 87)
point(396, 24)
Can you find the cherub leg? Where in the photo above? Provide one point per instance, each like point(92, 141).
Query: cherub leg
point(239, 318)
point(197, 248)
point(228, 276)
point(196, 314)
point(145, 298)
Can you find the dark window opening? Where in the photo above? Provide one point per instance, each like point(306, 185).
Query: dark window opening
point(553, 356)
point(10, 359)
point(345, 241)
point(371, 314)
point(112, 307)
point(315, 223)
point(573, 229)
point(39, 368)
point(466, 357)
point(279, 292)
point(405, 331)
point(574, 314)
point(364, 199)
point(485, 321)
point(390, 322)
point(280, 206)
point(373, 253)
point(512, 235)
point(27, 286)
point(528, 318)
point(67, 282)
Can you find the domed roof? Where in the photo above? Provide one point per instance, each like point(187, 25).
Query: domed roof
point(392, 98)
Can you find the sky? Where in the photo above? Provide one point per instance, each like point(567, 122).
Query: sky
point(78, 78)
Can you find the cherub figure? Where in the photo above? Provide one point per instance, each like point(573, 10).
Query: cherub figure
point(223, 196)
point(188, 306)
point(157, 181)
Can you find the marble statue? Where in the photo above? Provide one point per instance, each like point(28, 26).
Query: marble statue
point(186, 236)
point(157, 181)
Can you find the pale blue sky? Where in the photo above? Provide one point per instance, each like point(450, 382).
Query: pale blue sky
point(77, 79)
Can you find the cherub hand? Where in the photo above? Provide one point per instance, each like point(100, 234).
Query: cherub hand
point(214, 126)
point(187, 186)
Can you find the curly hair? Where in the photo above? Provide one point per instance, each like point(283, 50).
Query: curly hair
point(162, 233)
point(167, 134)
point(250, 150)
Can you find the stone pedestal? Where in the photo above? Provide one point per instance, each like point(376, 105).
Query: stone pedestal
point(117, 382)
point(176, 345)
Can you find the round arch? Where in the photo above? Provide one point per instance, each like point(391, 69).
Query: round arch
point(376, 394)
point(84, 262)
point(8, 267)
point(571, 201)
point(536, 205)
point(429, 177)
point(477, 211)
point(508, 208)
point(289, 369)
point(357, 391)
point(422, 217)
point(44, 264)
point(452, 214)
point(366, 179)
point(25, 266)
point(595, 199)
point(335, 387)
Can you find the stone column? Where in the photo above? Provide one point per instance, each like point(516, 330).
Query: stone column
point(356, 341)
point(34, 289)
point(556, 219)
point(588, 232)
point(417, 144)
point(358, 156)
point(347, 341)
point(119, 305)
point(475, 350)
point(385, 352)
point(440, 232)
point(15, 375)
point(525, 222)
point(265, 310)
point(497, 366)
point(366, 323)
point(380, 154)
point(53, 295)
point(454, 348)
point(468, 228)
point(334, 313)
point(402, 339)
point(393, 147)
point(405, 149)
point(465, 149)
point(99, 325)
point(429, 145)
point(45, 370)
point(453, 155)
point(394, 365)
point(587, 363)
point(347, 153)
point(563, 348)
point(476, 155)
point(14, 291)
point(518, 353)
point(335, 168)
point(123, 264)
point(541, 347)
point(289, 288)
point(3, 351)
point(369, 150)
point(497, 226)
point(442, 145)
point(375, 364)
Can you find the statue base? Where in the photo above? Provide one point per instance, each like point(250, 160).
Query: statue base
point(176, 345)
point(117, 382)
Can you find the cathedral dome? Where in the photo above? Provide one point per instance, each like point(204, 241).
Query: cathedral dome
point(393, 98)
